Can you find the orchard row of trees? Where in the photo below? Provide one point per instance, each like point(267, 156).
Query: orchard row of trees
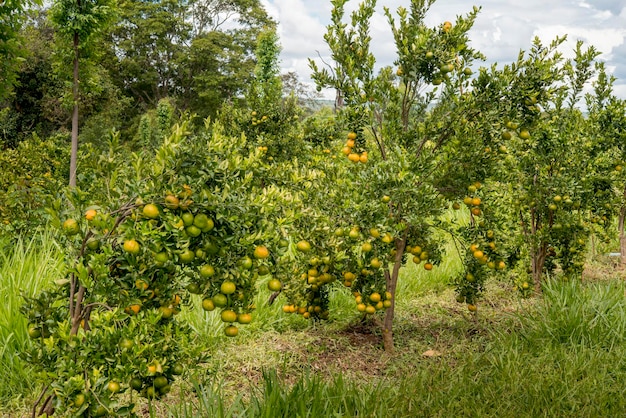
point(332, 201)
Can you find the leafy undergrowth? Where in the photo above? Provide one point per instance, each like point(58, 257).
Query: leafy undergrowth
point(561, 354)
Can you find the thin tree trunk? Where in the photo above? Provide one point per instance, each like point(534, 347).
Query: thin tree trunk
point(392, 282)
point(538, 261)
point(74, 151)
point(622, 237)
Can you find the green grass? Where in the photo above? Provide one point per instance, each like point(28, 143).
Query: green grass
point(26, 267)
point(563, 354)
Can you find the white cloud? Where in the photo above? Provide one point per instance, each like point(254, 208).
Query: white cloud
point(502, 28)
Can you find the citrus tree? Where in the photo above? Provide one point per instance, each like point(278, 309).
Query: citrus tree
point(197, 219)
point(549, 162)
point(607, 114)
point(401, 127)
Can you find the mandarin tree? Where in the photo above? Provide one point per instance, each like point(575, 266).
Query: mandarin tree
point(549, 164)
point(197, 220)
point(403, 126)
point(608, 116)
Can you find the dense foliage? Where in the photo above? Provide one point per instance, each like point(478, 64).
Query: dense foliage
point(197, 175)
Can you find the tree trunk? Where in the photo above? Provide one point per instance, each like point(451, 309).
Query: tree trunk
point(622, 237)
point(392, 282)
point(74, 151)
point(538, 259)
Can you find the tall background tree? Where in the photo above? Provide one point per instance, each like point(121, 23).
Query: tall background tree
point(199, 53)
point(79, 23)
point(11, 47)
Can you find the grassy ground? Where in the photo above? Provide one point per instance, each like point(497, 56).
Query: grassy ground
point(561, 355)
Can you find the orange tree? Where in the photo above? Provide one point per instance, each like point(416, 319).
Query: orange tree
point(385, 198)
point(550, 157)
point(608, 116)
point(197, 219)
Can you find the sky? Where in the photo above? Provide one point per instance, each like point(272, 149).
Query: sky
point(502, 29)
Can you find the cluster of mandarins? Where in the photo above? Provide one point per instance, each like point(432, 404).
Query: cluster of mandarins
point(349, 150)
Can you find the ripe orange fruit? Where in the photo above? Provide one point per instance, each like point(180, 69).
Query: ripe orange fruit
point(261, 252)
point(446, 26)
point(90, 214)
point(352, 135)
point(354, 157)
point(369, 309)
point(274, 285)
point(375, 297)
point(471, 307)
point(476, 201)
point(231, 331)
point(428, 266)
point(228, 315)
point(150, 211)
point(476, 211)
point(363, 157)
point(228, 288)
point(134, 309)
point(131, 246)
point(376, 263)
point(346, 150)
point(478, 254)
point(350, 143)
